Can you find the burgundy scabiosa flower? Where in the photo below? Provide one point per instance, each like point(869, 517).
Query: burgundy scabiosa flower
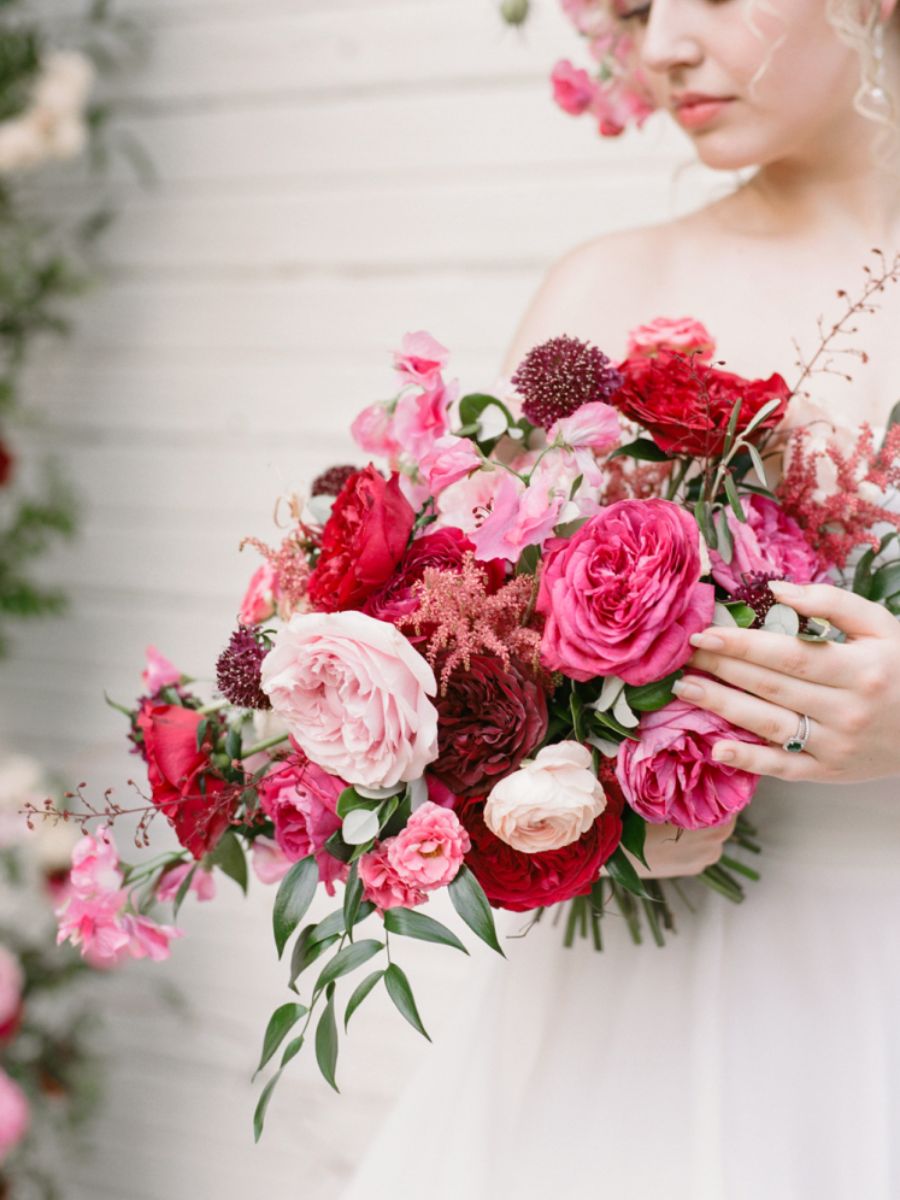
point(755, 593)
point(331, 482)
point(238, 670)
point(558, 376)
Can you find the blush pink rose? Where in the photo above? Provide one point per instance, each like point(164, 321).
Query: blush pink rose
point(669, 775)
point(158, 673)
point(429, 852)
point(573, 88)
point(449, 459)
point(372, 430)
point(594, 426)
point(260, 599)
point(14, 1115)
point(270, 863)
point(623, 595)
point(203, 883)
point(354, 694)
point(301, 800)
point(682, 334)
point(769, 541)
point(12, 980)
point(420, 359)
point(382, 885)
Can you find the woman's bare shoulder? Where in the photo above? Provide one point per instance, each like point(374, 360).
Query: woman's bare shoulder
point(597, 291)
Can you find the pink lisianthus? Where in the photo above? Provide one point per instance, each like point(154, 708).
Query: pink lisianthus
point(382, 885)
point(593, 426)
point(14, 1115)
point(670, 775)
point(301, 799)
point(420, 359)
point(372, 430)
point(429, 852)
point(158, 673)
point(270, 863)
point(521, 515)
point(260, 598)
point(12, 980)
point(573, 88)
point(685, 335)
point(769, 541)
point(203, 884)
point(421, 418)
point(449, 460)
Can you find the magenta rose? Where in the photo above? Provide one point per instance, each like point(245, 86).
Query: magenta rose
point(623, 595)
point(670, 775)
point(489, 719)
point(301, 800)
point(769, 541)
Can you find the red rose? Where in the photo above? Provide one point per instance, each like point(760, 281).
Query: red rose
point(685, 405)
point(489, 719)
point(518, 881)
point(362, 542)
point(198, 805)
point(442, 550)
point(6, 465)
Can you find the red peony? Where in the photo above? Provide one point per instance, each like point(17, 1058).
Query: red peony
point(520, 882)
point(362, 542)
point(685, 405)
point(198, 805)
point(489, 718)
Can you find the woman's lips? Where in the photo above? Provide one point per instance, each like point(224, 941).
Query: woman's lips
point(692, 113)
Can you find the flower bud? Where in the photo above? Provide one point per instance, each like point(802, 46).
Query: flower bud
point(514, 12)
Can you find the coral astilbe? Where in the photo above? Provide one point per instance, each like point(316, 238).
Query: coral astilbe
point(460, 618)
point(630, 479)
point(290, 563)
point(836, 523)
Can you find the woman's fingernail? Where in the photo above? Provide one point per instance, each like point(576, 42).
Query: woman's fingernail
point(787, 591)
point(687, 689)
point(722, 753)
point(707, 640)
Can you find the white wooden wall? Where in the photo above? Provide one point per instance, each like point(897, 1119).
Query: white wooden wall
point(332, 173)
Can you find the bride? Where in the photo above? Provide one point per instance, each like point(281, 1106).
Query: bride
point(757, 1056)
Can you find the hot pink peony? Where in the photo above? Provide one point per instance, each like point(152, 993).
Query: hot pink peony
point(259, 600)
point(429, 852)
point(301, 800)
point(14, 1115)
point(420, 359)
point(769, 541)
point(158, 673)
point(355, 695)
point(683, 334)
point(382, 885)
point(623, 595)
point(669, 775)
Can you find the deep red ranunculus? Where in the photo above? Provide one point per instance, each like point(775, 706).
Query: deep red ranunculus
point(441, 549)
point(685, 404)
point(489, 719)
point(520, 882)
point(198, 804)
point(362, 542)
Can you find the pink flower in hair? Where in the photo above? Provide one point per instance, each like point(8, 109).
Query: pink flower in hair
point(573, 88)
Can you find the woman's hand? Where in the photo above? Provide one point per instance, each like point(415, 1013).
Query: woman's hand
point(670, 855)
point(850, 691)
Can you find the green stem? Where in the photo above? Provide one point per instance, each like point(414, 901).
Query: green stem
point(733, 865)
point(266, 745)
point(216, 706)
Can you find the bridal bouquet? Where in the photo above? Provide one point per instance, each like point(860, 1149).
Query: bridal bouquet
point(457, 671)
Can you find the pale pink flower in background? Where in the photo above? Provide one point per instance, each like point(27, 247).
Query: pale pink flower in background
point(769, 540)
point(520, 516)
point(158, 673)
point(420, 418)
point(550, 801)
point(429, 852)
point(685, 335)
point(590, 17)
point(12, 980)
point(355, 696)
point(258, 603)
point(594, 426)
point(270, 863)
point(381, 883)
point(93, 924)
point(203, 883)
point(420, 359)
point(449, 460)
point(95, 864)
point(618, 105)
point(148, 939)
point(372, 430)
point(14, 1114)
point(573, 88)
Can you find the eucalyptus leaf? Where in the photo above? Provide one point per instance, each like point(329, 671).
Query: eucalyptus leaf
point(781, 619)
point(723, 533)
point(622, 712)
point(759, 467)
point(350, 800)
point(607, 748)
point(723, 617)
point(361, 825)
point(612, 688)
point(767, 409)
point(733, 498)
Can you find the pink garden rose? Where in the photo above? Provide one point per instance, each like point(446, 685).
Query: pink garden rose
point(12, 980)
point(449, 459)
point(301, 799)
point(623, 595)
point(683, 334)
point(270, 863)
point(203, 883)
point(769, 541)
point(669, 775)
point(158, 673)
point(355, 696)
point(382, 885)
point(573, 88)
point(259, 600)
point(14, 1115)
point(429, 852)
point(420, 359)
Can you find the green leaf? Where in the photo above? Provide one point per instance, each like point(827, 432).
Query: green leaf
point(622, 872)
point(469, 900)
point(292, 1049)
point(353, 894)
point(732, 426)
point(294, 896)
point(473, 405)
point(327, 1043)
point(760, 468)
point(386, 811)
point(233, 744)
point(528, 560)
point(862, 576)
point(704, 520)
point(885, 582)
point(767, 409)
point(723, 533)
point(229, 857)
point(348, 960)
point(733, 498)
point(338, 848)
point(202, 730)
point(651, 696)
point(281, 1022)
point(360, 827)
point(360, 994)
point(306, 951)
point(742, 614)
point(350, 799)
point(259, 1116)
point(576, 484)
point(409, 923)
point(644, 449)
point(401, 993)
point(634, 833)
point(329, 926)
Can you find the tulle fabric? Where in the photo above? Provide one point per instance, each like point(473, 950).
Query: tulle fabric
point(756, 1055)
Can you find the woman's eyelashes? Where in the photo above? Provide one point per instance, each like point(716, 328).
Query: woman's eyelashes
point(641, 13)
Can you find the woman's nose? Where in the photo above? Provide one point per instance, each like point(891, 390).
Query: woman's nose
point(671, 37)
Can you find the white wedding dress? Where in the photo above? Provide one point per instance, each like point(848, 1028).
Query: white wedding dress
point(755, 1057)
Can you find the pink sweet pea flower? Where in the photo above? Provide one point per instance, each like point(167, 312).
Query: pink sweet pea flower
point(372, 430)
point(421, 418)
point(203, 884)
point(95, 864)
point(449, 460)
point(270, 863)
point(520, 516)
point(420, 359)
point(573, 88)
point(260, 598)
point(14, 1115)
point(382, 885)
point(93, 924)
point(429, 852)
point(158, 673)
point(148, 939)
point(594, 426)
